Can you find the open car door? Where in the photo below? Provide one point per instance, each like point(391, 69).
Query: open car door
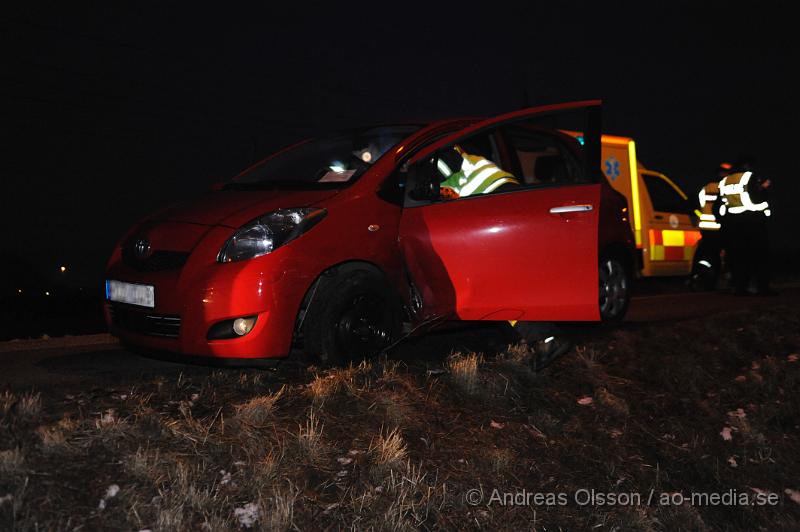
point(526, 250)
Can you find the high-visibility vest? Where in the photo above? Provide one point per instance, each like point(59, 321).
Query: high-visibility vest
point(736, 197)
point(478, 175)
point(707, 197)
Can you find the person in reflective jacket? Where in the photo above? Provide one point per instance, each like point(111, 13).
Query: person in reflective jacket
point(477, 175)
point(744, 213)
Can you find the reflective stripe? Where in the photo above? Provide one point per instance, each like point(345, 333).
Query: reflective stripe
point(710, 225)
point(475, 181)
point(637, 216)
point(499, 183)
point(672, 238)
point(736, 196)
point(468, 167)
point(443, 168)
point(477, 175)
point(672, 244)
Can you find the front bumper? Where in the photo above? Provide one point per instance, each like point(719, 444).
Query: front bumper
point(180, 358)
point(188, 301)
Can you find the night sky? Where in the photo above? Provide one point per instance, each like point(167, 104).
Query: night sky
point(110, 113)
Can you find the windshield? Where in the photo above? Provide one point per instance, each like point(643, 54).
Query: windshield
point(327, 162)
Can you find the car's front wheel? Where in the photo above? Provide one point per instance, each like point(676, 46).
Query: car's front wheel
point(615, 283)
point(353, 315)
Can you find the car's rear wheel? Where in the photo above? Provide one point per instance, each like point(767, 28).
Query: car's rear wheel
point(354, 315)
point(615, 282)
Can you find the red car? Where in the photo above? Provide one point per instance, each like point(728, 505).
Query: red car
point(334, 244)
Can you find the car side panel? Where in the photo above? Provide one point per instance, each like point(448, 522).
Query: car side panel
point(505, 256)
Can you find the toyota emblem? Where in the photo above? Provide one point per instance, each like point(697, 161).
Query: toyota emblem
point(141, 248)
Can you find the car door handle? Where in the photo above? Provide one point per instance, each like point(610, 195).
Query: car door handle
point(571, 208)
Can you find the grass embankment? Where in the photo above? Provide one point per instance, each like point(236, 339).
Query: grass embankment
point(707, 407)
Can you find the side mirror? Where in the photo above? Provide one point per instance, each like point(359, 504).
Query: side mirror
point(424, 182)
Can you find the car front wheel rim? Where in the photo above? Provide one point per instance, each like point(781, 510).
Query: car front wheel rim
point(613, 288)
point(362, 327)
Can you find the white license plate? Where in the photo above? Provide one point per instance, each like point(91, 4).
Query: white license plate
point(143, 295)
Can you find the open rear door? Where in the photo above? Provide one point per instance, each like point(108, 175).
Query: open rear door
point(526, 251)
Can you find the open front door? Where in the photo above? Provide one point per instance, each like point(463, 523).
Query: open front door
point(520, 240)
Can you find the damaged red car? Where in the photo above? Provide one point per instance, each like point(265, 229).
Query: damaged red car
point(338, 245)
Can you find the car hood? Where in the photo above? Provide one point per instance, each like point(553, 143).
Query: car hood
point(234, 208)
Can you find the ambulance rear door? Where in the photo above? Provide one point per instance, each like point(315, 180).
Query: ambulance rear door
point(618, 163)
point(669, 231)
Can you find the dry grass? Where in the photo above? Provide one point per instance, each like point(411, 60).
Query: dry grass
point(52, 437)
point(350, 381)
point(309, 437)
point(11, 462)
point(464, 371)
point(501, 460)
point(29, 407)
point(416, 498)
point(323, 387)
point(258, 410)
point(388, 448)
point(396, 445)
point(146, 464)
point(7, 400)
point(278, 509)
point(612, 402)
point(266, 467)
point(393, 407)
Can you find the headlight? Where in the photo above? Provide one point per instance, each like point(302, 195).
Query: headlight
point(267, 233)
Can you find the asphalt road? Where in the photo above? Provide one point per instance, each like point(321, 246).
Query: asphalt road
point(98, 360)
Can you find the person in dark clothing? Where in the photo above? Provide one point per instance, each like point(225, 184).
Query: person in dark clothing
point(745, 234)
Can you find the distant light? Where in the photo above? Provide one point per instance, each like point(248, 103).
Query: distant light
point(19, 291)
point(63, 269)
point(366, 156)
point(47, 293)
point(581, 140)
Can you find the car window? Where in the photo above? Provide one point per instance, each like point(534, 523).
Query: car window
point(327, 162)
point(530, 152)
point(473, 166)
point(664, 197)
point(544, 156)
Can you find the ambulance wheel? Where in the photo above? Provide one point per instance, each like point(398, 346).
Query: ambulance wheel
point(615, 282)
point(355, 315)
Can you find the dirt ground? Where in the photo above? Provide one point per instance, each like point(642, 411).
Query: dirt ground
point(673, 425)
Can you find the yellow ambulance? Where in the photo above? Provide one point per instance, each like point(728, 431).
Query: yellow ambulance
point(662, 220)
